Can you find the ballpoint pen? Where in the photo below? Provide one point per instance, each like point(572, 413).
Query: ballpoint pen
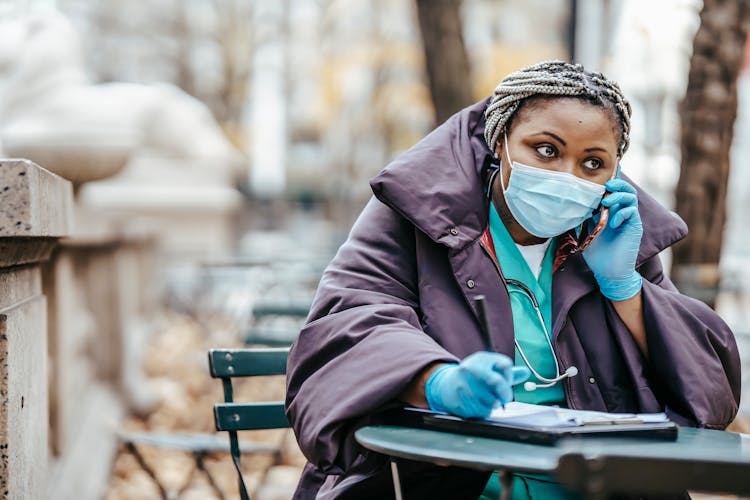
point(485, 328)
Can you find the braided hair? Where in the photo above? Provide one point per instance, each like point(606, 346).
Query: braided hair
point(555, 79)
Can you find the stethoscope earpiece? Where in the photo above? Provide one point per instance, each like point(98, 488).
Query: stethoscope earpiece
point(491, 165)
point(490, 182)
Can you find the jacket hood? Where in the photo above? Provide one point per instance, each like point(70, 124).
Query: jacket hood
point(437, 186)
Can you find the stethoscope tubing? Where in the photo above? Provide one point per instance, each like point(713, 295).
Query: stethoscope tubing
point(526, 291)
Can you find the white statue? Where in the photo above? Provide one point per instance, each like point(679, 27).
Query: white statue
point(51, 113)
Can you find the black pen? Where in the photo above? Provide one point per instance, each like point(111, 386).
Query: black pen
point(485, 324)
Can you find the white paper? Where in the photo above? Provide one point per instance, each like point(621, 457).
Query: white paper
point(550, 416)
point(530, 415)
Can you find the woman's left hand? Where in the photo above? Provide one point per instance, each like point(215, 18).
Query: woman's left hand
point(612, 255)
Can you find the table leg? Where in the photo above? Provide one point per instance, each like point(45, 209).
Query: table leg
point(396, 480)
point(506, 484)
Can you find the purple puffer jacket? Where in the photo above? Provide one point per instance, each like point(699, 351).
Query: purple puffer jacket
point(397, 297)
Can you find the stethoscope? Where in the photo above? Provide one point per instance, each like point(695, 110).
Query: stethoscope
point(571, 371)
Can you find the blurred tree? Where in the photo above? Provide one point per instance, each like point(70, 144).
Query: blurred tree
point(180, 29)
point(708, 113)
point(448, 70)
point(235, 41)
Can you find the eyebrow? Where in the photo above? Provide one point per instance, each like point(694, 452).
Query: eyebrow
point(558, 138)
point(552, 135)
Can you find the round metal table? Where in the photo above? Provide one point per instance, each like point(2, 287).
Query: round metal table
point(700, 459)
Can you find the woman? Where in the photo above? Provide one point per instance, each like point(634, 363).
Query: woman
point(495, 202)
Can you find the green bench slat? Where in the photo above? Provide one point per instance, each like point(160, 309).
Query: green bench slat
point(297, 310)
point(247, 363)
point(250, 416)
point(270, 337)
point(193, 442)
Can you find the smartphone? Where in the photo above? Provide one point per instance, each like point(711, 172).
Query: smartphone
point(585, 241)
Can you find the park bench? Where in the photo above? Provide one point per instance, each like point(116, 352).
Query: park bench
point(231, 416)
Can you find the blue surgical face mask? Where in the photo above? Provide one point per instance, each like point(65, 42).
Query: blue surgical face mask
point(547, 203)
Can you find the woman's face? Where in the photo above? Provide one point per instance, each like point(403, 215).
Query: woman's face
point(565, 135)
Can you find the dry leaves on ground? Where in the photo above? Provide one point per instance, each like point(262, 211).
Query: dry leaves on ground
point(177, 365)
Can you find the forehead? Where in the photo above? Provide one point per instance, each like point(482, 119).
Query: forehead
point(573, 117)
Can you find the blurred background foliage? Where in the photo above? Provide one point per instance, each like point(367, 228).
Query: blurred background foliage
point(319, 95)
point(259, 124)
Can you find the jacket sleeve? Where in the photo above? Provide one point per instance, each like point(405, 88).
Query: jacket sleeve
point(694, 363)
point(362, 343)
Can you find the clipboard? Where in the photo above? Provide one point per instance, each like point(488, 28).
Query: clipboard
point(535, 434)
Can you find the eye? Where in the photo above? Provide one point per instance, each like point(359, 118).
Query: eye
point(593, 164)
point(546, 151)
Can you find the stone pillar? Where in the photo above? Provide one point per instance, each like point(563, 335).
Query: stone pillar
point(101, 299)
point(36, 209)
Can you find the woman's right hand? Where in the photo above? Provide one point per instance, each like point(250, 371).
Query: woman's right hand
point(473, 387)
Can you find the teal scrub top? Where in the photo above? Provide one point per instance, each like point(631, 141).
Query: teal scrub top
point(530, 335)
point(526, 325)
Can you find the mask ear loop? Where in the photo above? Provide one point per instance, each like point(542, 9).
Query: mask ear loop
point(498, 164)
point(510, 166)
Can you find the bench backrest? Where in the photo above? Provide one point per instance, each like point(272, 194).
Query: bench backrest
point(231, 416)
point(227, 364)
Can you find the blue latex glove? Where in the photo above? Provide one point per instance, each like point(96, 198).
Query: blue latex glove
point(613, 253)
point(473, 387)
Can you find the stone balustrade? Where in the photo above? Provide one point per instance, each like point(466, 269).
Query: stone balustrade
point(35, 211)
point(77, 297)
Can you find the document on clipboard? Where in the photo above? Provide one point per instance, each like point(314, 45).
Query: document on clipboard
point(542, 424)
point(552, 416)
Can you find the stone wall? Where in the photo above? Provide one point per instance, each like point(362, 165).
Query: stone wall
point(102, 295)
point(35, 210)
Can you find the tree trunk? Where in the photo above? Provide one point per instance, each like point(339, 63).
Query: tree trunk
point(708, 113)
point(445, 56)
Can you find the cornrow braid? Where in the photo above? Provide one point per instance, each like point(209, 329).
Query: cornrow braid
point(555, 79)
